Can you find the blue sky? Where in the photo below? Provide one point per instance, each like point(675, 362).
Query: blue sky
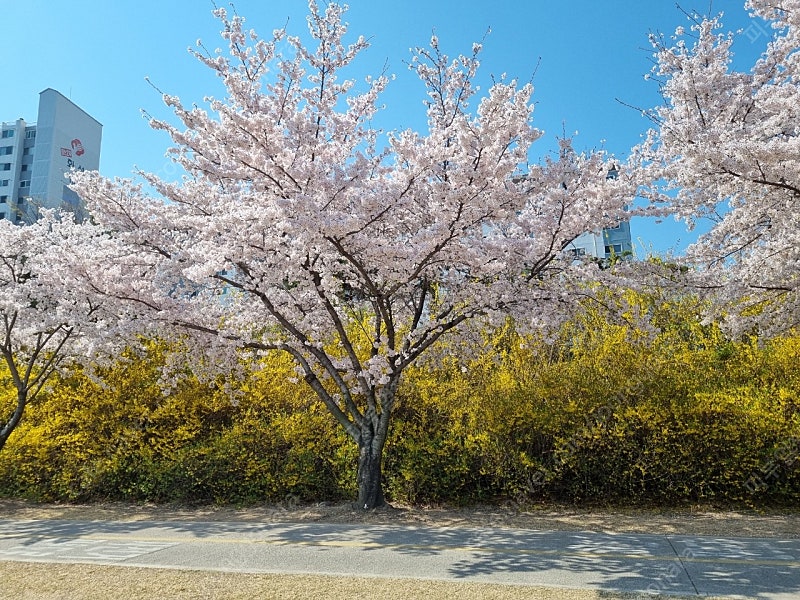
point(585, 55)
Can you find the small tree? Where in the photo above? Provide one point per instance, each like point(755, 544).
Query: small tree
point(45, 316)
point(726, 146)
point(295, 231)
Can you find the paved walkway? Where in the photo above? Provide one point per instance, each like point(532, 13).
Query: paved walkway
point(767, 569)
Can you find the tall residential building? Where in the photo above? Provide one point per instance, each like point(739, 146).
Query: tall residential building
point(35, 158)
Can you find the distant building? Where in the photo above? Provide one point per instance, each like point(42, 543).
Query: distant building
point(606, 243)
point(611, 242)
point(34, 158)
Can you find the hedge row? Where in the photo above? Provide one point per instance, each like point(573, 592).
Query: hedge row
point(609, 412)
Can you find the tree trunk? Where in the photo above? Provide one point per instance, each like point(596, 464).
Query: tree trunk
point(8, 427)
point(370, 457)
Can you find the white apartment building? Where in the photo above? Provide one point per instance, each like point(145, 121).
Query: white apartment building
point(609, 243)
point(35, 158)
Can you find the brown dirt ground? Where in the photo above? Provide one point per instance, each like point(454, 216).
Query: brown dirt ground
point(698, 520)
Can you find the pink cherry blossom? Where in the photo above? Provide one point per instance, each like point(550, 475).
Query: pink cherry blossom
point(296, 230)
point(726, 146)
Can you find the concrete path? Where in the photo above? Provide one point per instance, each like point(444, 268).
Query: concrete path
point(767, 569)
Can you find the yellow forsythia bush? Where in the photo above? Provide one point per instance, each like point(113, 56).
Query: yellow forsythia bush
point(648, 406)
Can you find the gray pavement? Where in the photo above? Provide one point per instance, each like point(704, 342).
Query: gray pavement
point(674, 564)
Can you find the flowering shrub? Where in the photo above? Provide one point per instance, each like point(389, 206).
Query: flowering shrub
point(611, 410)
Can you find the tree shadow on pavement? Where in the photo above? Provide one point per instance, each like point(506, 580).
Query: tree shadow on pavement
point(766, 569)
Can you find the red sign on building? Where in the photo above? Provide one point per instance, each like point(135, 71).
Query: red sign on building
point(77, 146)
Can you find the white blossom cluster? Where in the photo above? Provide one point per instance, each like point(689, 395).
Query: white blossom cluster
point(292, 223)
point(47, 314)
point(726, 146)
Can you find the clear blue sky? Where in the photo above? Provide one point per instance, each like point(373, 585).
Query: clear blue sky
point(589, 53)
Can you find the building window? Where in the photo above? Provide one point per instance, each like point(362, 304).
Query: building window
point(2, 215)
point(3, 182)
point(30, 134)
point(25, 167)
point(5, 166)
point(578, 252)
point(25, 183)
point(614, 249)
point(8, 133)
point(20, 200)
point(6, 150)
point(3, 199)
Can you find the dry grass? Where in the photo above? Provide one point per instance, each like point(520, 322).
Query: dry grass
point(35, 581)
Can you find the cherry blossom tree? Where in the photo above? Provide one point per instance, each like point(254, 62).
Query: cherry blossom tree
point(726, 146)
point(299, 227)
point(46, 318)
